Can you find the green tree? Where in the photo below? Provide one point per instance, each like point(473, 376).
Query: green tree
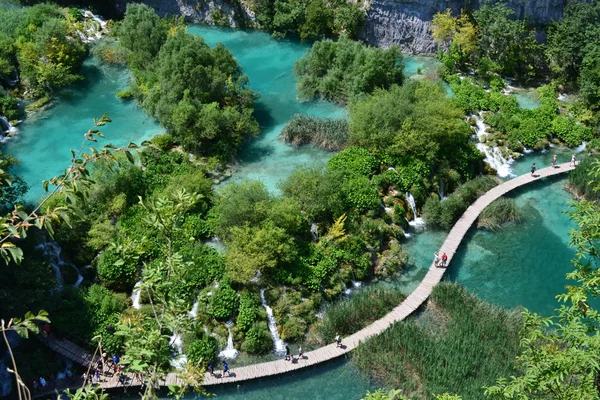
point(143, 32)
point(559, 354)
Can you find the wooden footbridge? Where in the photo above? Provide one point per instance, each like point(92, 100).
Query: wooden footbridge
point(329, 352)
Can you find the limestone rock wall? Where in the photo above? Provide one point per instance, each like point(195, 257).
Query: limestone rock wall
point(231, 13)
point(402, 22)
point(406, 22)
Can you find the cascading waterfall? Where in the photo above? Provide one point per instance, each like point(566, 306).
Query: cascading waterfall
point(6, 128)
point(493, 155)
point(194, 311)
point(278, 344)
point(442, 189)
point(179, 361)
point(136, 295)
point(229, 352)
point(53, 252)
point(416, 221)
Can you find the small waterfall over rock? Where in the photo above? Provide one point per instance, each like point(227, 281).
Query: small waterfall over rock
point(349, 290)
point(442, 189)
point(278, 344)
point(493, 155)
point(229, 352)
point(416, 221)
point(314, 231)
point(136, 295)
point(6, 128)
point(179, 360)
point(52, 251)
point(194, 311)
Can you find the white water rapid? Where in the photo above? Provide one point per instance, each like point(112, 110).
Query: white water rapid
point(229, 352)
point(136, 295)
point(416, 221)
point(278, 344)
point(493, 155)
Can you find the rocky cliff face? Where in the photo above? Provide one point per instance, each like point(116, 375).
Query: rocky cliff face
point(402, 22)
point(231, 13)
point(407, 22)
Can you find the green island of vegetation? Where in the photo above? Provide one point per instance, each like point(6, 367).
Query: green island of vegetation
point(143, 218)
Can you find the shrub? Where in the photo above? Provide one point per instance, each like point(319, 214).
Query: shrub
point(328, 134)
point(115, 272)
point(124, 94)
point(581, 182)
point(202, 350)
point(353, 161)
point(165, 142)
point(247, 313)
point(223, 303)
point(569, 131)
point(258, 339)
point(391, 261)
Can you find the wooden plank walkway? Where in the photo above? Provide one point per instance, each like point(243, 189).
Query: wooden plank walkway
point(329, 352)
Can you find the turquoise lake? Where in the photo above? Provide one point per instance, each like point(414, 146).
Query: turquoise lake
point(523, 264)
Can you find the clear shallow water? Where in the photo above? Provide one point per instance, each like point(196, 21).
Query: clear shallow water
point(269, 63)
point(44, 140)
point(336, 380)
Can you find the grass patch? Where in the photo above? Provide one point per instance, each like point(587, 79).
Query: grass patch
point(477, 343)
point(501, 212)
point(353, 313)
point(328, 134)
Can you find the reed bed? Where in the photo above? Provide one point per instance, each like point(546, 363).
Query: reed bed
point(469, 346)
point(501, 212)
point(353, 313)
point(328, 134)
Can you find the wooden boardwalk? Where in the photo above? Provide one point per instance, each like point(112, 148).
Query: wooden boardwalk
point(410, 304)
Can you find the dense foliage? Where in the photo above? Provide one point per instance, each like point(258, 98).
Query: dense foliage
point(199, 94)
point(340, 70)
point(458, 345)
point(310, 19)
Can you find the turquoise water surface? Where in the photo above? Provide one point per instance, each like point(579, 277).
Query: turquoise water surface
point(523, 264)
point(45, 139)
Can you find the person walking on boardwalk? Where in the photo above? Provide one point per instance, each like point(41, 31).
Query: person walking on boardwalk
point(288, 353)
point(225, 369)
point(300, 354)
point(444, 260)
point(554, 161)
point(533, 168)
point(436, 258)
point(338, 340)
point(211, 369)
point(573, 160)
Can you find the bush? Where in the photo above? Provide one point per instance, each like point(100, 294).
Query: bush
point(391, 261)
point(202, 350)
point(328, 134)
point(353, 161)
point(248, 312)
point(125, 94)
point(338, 71)
point(569, 131)
point(581, 181)
point(354, 313)
point(223, 303)
point(116, 273)
point(258, 339)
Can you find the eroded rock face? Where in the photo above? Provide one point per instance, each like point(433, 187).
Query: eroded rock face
point(402, 22)
point(406, 22)
point(231, 13)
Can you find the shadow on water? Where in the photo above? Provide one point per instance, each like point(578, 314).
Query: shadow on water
point(524, 263)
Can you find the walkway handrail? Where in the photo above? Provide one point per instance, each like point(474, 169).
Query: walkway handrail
point(410, 304)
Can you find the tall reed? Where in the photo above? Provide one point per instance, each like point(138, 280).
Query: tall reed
point(328, 134)
point(459, 345)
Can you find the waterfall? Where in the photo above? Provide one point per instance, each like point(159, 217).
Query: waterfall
point(179, 361)
point(136, 295)
point(416, 221)
point(229, 352)
point(355, 285)
point(278, 344)
point(441, 192)
point(194, 311)
point(314, 231)
point(6, 127)
point(493, 155)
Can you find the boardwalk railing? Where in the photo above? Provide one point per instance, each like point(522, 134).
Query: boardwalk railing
point(325, 353)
